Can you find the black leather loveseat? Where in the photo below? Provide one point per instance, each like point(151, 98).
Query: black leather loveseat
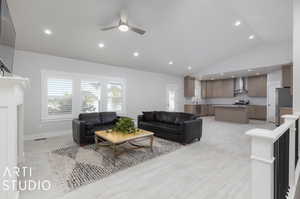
point(87, 123)
point(179, 127)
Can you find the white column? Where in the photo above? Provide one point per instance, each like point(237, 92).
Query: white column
point(262, 164)
point(11, 95)
point(296, 54)
point(292, 161)
point(298, 115)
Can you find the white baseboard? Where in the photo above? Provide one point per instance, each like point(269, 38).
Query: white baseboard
point(17, 195)
point(47, 135)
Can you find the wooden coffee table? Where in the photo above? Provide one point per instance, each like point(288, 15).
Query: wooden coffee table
point(113, 139)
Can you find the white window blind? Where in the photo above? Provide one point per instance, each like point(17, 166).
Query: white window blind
point(90, 96)
point(59, 96)
point(115, 97)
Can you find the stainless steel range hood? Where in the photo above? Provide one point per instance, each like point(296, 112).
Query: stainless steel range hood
point(240, 86)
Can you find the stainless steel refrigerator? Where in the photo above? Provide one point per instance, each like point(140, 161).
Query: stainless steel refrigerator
point(283, 99)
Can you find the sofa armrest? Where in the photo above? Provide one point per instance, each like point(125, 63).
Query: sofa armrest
point(78, 127)
point(140, 118)
point(192, 130)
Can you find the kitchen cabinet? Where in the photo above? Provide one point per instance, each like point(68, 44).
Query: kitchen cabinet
point(191, 108)
point(251, 112)
point(227, 88)
point(222, 88)
point(257, 112)
point(189, 86)
point(198, 109)
point(211, 110)
point(238, 114)
point(204, 89)
point(257, 86)
point(203, 110)
point(287, 77)
point(209, 89)
point(217, 89)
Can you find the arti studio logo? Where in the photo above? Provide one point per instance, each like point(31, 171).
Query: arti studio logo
point(18, 179)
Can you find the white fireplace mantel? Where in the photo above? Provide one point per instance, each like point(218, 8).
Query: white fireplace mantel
point(11, 127)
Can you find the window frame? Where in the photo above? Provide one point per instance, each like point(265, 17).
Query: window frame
point(123, 96)
point(76, 93)
point(101, 93)
point(45, 77)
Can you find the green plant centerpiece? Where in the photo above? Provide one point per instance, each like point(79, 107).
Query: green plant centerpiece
point(125, 125)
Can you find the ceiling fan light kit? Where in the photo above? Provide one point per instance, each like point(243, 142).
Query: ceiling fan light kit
point(123, 26)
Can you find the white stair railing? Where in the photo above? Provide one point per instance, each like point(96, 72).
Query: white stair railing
point(266, 181)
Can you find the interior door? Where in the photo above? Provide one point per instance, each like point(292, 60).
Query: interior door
point(272, 100)
point(172, 98)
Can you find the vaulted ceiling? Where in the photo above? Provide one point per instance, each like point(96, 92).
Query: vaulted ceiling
point(194, 33)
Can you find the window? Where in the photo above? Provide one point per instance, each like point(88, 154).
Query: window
point(90, 96)
point(59, 97)
point(114, 97)
point(66, 95)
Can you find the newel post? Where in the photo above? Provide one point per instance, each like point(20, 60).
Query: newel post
point(262, 164)
point(292, 151)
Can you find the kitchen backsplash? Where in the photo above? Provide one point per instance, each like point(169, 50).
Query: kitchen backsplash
point(253, 100)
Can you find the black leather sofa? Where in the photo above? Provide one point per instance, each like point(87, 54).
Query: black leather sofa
point(180, 127)
point(87, 123)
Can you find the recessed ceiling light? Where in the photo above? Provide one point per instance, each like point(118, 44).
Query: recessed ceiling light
point(170, 63)
point(237, 23)
point(101, 45)
point(249, 70)
point(189, 68)
point(136, 54)
point(48, 32)
point(123, 28)
point(251, 36)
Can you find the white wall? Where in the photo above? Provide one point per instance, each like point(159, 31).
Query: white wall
point(262, 56)
point(296, 83)
point(144, 90)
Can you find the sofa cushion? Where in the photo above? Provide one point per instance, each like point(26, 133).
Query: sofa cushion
point(167, 117)
point(161, 127)
point(171, 128)
point(108, 117)
point(158, 116)
point(88, 116)
point(148, 116)
point(104, 127)
point(91, 123)
point(182, 117)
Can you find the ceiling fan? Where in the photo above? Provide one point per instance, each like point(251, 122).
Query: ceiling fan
point(123, 26)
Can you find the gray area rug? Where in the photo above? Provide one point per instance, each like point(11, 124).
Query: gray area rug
point(75, 166)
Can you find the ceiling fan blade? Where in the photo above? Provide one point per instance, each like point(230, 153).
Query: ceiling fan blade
point(137, 30)
point(109, 28)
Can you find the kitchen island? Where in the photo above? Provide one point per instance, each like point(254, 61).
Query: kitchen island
point(232, 113)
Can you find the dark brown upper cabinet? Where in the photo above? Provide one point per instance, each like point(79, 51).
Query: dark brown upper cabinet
point(257, 86)
point(189, 86)
point(223, 88)
point(287, 77)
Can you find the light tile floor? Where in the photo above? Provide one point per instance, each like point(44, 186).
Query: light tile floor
point(217, 167)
